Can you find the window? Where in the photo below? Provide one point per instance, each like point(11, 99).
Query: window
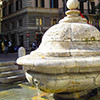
point(92, 7)
point(53, 3)
point(20, 23)
point(12, 25)
point(18, 5)
point(39, 21)
point(11, 8)
point(39, 3)
point(6, 25)
point(36, 3)
point(42, 3)
point(4, 11)
point(99, 23)
point(64, 5)
point(53, 21)
point(82, 6)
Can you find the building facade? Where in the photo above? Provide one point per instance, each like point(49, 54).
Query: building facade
point(90, 9)
point(25, 20)
point(0, 16)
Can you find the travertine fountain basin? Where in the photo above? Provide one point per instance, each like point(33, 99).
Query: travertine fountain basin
point(68, 58)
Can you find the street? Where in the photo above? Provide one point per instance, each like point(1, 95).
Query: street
point(8, 57)
point(22, 91)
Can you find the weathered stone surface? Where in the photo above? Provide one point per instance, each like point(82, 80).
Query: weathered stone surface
point(68, 59)
point(72, 4)
point(64, 82)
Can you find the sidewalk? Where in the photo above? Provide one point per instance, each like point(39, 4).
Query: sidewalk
point(8, 57)
point(23, 91)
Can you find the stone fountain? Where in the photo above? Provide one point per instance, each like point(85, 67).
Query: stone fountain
point(67, 61)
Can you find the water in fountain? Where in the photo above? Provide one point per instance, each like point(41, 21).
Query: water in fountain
point(38, 91)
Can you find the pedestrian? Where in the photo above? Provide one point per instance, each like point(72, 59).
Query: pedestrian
point(3, 47)
point(35, 45)
point(6, 46)
point(9, 46)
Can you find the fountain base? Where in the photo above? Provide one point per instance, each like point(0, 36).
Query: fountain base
point(83, 95)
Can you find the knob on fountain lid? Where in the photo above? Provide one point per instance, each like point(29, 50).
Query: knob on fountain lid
point(72, 4)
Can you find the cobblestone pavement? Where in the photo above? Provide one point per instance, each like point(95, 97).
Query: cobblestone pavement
point(8, 57)
point(24, 91)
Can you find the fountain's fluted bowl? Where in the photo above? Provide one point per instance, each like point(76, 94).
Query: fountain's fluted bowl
point(67, 74)
point(68, 59)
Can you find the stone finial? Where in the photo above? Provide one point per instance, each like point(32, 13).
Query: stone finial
point(73, 15)
point(72, 4)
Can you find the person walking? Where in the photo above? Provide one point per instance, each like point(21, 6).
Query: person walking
point(6, 46)
point(3, 47)
point(35, 45)
point(9, 46)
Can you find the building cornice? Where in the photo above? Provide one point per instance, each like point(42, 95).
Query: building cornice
point(23, 29)
point(32, 10)
point(92, 15)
